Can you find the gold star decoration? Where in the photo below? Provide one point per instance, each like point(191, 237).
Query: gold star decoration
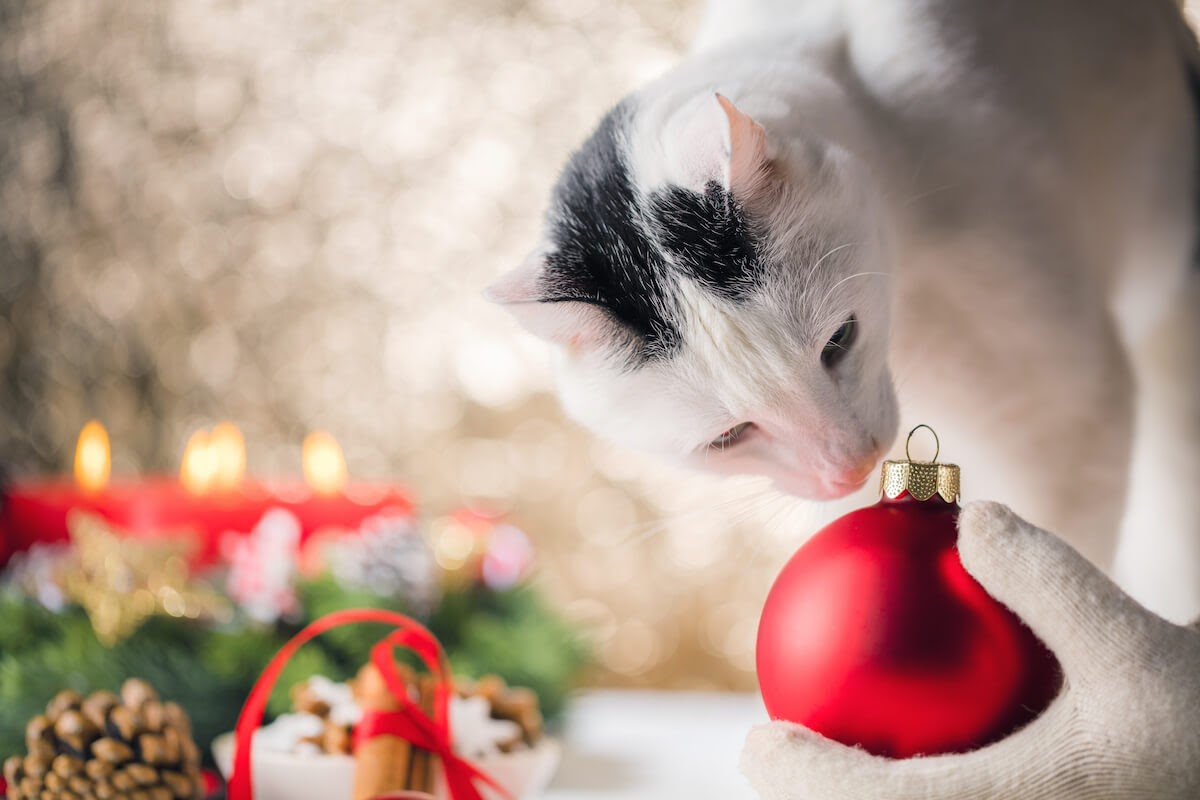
point(121, 580)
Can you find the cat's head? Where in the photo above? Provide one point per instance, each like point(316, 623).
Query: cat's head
point(715, 295)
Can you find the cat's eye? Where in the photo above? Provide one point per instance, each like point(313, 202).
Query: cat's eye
point(730, 436)
point(839, 344)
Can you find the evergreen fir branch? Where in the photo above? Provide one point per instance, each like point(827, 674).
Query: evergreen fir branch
point(210, 671)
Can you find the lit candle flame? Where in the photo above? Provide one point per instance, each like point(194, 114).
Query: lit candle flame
point(198, 470)
point(323, 462)
point(93, 458)
point(214, 460)
point(229, 447)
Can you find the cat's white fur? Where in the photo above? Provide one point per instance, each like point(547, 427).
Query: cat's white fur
point(1028, 209)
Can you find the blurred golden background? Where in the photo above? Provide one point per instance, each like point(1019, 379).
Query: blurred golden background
point(282, 214)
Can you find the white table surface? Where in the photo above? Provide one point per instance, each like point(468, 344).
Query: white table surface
point(644, 745)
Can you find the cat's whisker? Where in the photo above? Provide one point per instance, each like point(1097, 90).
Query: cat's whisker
point(707, 509)
point(751, 504)
point(816, 265)
point(782, 511)
point(831, 289)
point(831, 252)
point(929, 193)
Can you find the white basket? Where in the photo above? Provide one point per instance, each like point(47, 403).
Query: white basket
point(286, 776)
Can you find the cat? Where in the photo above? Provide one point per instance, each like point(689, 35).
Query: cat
point(837, 215)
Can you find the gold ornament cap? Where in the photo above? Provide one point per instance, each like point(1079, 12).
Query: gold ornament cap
point(921, 479)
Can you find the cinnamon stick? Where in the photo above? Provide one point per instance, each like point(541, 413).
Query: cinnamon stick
point(381, 762)
point(421, 774)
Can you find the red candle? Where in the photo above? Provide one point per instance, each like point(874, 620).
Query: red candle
point(161, 507)
point(346, 509)
point(215, 504)
point(37, 512)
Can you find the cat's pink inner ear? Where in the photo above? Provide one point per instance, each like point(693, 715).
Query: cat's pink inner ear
point(573, 324)
point(519, 285)
point(747, 150)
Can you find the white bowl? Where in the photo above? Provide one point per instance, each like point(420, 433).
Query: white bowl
point(286, 776)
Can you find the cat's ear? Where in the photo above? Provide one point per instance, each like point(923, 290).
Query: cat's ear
point(571, 323)
point(710, 139)
point(747, 154)
point(520, 285)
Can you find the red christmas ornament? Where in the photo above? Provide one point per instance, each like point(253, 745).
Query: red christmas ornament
point(875, 635)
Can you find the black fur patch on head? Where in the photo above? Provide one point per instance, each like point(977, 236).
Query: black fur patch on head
point(610, 251)
point(708, 238)
point(601, 254)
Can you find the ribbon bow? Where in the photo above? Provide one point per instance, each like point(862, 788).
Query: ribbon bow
point(410, 722)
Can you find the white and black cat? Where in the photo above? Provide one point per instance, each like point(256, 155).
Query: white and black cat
point(838, 214)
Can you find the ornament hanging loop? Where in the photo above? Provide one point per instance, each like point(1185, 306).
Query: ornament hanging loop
point(937, 445)
point(920, 479)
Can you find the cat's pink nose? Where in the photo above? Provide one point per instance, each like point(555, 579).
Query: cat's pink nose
point(854, 477)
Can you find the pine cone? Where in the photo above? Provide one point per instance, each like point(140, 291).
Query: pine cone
point(107, 747)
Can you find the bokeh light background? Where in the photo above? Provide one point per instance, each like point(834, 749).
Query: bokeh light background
point(282, 213)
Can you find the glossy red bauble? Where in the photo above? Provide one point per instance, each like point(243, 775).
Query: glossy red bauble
point(875, 635)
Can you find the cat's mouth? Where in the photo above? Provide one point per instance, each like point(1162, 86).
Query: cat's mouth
point(843, 488)
point(839, 488)
point(853, 479)
point(826, 486)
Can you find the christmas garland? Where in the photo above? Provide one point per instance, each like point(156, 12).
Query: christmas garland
point(50, 640)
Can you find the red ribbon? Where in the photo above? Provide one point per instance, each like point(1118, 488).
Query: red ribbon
point(410, 722)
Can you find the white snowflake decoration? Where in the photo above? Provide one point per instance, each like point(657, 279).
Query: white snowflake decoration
point(475, 733)
point(338, 696)
point(262, 566)
point(288, 732)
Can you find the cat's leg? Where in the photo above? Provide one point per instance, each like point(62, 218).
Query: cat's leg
point(1026, 380)
point(1159, 557)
